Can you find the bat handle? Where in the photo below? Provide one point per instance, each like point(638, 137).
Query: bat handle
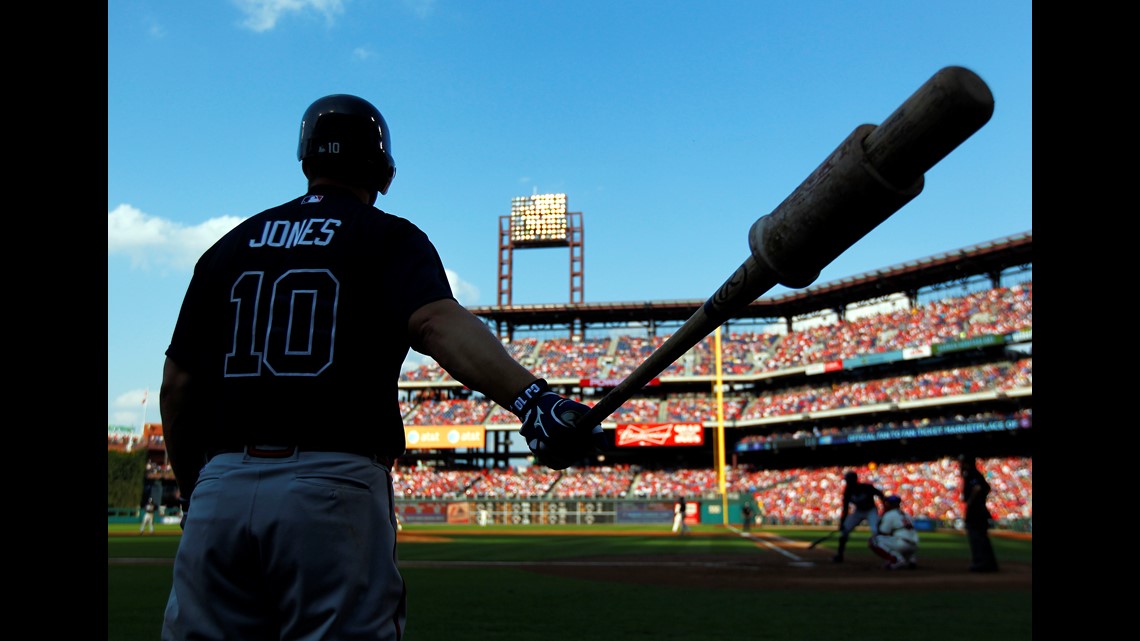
point(748, 282)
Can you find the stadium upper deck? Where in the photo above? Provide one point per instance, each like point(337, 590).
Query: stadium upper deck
point(951, 335)
point(1004, 256)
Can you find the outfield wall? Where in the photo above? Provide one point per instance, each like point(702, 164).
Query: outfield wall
point(564, 511)
point(710, 511)
point(707, 511)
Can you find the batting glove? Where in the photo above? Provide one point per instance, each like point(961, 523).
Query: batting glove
point(550, 429)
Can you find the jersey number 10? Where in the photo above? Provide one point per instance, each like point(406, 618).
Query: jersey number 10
point(291, 334)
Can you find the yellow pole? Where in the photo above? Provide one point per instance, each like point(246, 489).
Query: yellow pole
point(720, 428)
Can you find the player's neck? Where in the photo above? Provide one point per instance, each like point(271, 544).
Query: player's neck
point(366, 196)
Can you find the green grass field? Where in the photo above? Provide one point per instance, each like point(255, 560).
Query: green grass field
point(509, 603)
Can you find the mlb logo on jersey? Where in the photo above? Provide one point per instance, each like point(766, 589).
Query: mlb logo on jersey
point(313, 198)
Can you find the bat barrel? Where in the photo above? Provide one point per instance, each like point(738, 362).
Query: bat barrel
point(873, 173)
point(946, 110)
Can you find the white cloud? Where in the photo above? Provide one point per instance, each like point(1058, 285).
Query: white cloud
point(155, 30)
point(133, 399)
point(465, 292)
point(150, 241)
point(128, 409)
point(262, 15)
point(422, 8)
point(362, 53)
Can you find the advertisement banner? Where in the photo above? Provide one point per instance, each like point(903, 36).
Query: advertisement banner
point(659, 434)
point(439, 437)
point(874, 358)
point(423, 512)
point(823, 368)
point(922, 351)
point(459, 513)
point(969, 343)
point(645, 512)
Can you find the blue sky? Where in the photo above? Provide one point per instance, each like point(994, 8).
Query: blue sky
point(671, 125)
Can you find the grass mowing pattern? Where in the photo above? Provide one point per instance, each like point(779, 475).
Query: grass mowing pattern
point(512, 604)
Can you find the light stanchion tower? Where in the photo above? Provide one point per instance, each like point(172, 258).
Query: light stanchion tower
point(541, 221)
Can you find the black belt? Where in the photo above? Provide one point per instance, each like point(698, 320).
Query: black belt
point(285, 451)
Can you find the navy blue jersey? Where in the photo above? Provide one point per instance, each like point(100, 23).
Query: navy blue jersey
point(295, 325)
point(861, 495)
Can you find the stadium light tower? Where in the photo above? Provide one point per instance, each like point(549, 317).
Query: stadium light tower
point(537, 222)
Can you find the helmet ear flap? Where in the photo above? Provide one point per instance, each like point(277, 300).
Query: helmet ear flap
point(384, 183)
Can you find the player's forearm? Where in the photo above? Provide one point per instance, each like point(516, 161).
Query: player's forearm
point(466, 349)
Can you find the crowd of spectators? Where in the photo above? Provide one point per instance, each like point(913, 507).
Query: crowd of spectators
point(441, 483)
point(432, 482)
point(450, 412)
point(565, 358)
point(693, 407)
point(949, 382)
point(931, 489)
point(609, 480)
point(999, 311)
point(795, 496)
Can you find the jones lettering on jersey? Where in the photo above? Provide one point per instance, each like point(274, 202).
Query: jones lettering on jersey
point(286, 234)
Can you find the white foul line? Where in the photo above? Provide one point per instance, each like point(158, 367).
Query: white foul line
point(766, 542)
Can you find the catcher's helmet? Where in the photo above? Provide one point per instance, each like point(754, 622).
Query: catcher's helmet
point(346, 137)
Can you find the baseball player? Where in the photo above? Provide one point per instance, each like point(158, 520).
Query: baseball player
point(279, 431)
point(895, 540)
point(148, 516)
point(679, 525)
point(860, 498)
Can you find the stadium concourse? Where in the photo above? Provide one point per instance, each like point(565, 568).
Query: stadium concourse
point(892, 375)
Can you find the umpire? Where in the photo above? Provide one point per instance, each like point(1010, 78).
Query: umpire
point(279, 408)
point(975, 492)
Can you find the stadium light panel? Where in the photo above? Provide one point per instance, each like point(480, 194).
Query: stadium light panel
point(539, 221)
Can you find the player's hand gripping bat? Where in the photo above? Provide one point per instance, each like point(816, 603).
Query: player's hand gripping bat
point(870, 176)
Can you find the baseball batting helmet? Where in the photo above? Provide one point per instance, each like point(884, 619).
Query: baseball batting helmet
point(345, 136)
point(894, 500)
point(850, 477)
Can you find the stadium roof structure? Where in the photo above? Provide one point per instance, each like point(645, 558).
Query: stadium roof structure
point(984, 259)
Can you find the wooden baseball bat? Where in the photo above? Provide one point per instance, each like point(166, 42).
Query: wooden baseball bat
point(871, 175)
point(823, 538)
